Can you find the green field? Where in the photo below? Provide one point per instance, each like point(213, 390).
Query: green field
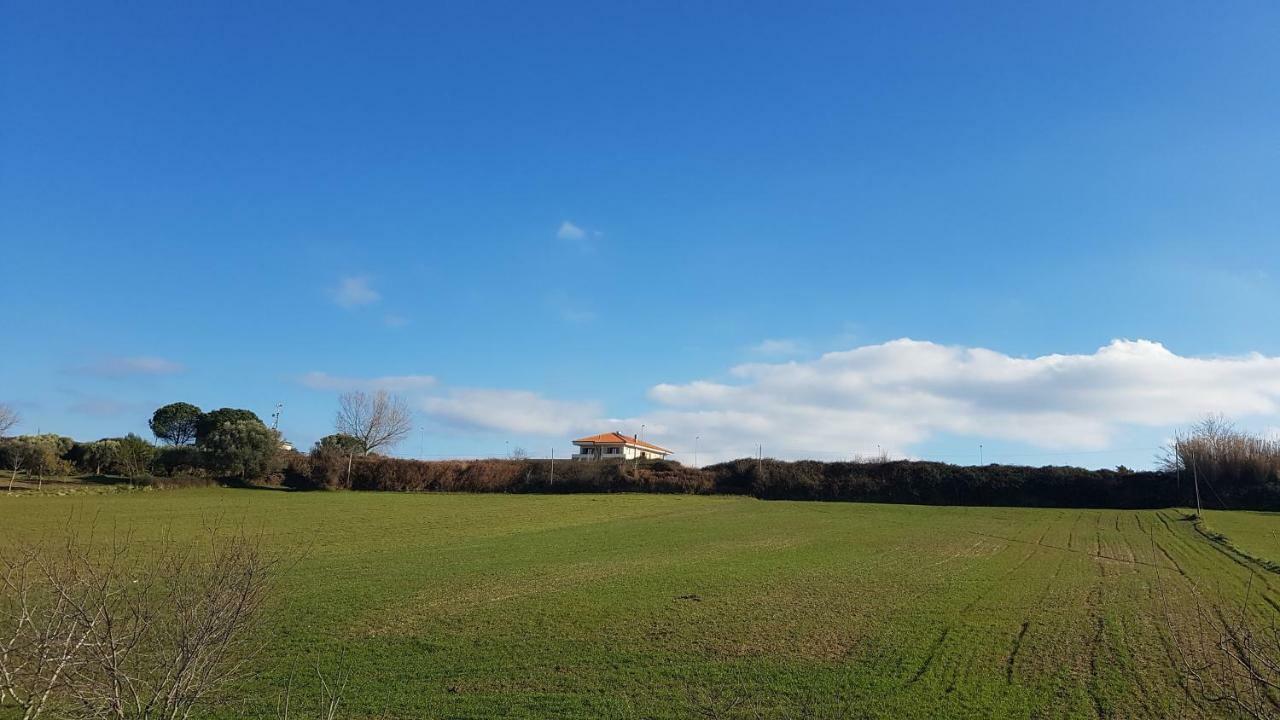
point(646, 606)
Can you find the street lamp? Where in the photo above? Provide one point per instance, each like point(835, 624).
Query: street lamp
point(638, 436)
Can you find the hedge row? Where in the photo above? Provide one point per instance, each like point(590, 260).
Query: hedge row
point(928, 483)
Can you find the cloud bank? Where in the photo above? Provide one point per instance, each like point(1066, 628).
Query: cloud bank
point(903, 392)
point(896, 395)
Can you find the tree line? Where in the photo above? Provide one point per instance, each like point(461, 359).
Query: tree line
point(193, 444)
point(1228, 467)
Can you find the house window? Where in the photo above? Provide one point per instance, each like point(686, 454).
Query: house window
point(612, 450)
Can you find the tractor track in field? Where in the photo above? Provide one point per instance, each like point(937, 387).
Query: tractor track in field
point(1100, 625)
point(1013, 653)
point(1012, 660)
point(941, 640)
point(1132, 561)
point(933, 653)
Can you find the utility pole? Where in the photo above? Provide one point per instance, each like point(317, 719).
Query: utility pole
point(637, 438)
point(695, 451)
point(275, 416)
point(1195, 475)
point(760, 459)
point(979, 453)
point(422, 442)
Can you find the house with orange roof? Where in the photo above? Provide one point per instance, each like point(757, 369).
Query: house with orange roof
point(615, 445)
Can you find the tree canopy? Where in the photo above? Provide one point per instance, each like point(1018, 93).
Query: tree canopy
point(213, 419)
point(346, 444)
point(176, 423)
point(245, 448)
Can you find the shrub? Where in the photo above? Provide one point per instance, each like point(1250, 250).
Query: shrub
point(242, 448)
point(134, 455)
point(175, 460)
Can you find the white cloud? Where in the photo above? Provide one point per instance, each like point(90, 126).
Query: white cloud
point(514, 411)
point(574, 234)
point(121, 367)
point(895, 395)
point(569, 231)
point(778, 347)
point(391, 383)
point(355, 291)
point(902, 392)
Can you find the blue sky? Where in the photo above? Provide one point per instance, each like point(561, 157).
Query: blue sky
point(541, 220)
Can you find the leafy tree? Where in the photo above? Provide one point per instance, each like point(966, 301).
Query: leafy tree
point(176, 423)
point(47, 454)
point(214, 419)
point(99, 455)
point(246, 448)
point(18, 454)
point(134, 454)
point(341, 442)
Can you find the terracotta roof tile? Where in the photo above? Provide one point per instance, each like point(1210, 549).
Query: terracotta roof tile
point(617, 437)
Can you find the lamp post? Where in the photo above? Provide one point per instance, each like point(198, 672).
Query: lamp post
point(695, 451)
point(638, 435)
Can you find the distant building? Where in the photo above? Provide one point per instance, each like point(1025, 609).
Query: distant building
point(616, 446)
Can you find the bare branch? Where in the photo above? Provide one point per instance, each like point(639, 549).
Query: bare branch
point(8, 419)
point(378, 421)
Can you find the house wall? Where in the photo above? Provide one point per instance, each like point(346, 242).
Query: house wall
point(598, 452)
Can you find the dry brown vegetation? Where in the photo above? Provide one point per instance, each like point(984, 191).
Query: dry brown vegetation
point(121, 630)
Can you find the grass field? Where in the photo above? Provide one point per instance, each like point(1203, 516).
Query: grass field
point(674, 606)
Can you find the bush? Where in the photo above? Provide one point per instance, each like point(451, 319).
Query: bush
point(134, 455)
point(174, 460)
point(242, 448)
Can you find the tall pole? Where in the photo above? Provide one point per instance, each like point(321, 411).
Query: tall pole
point(553, 467)
point(637, 464)
point(979, 453)
point(275, 416)
point(1195, 475)
point(695, 451)
point(422, 442)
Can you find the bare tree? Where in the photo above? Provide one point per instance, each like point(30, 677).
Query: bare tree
point(17, 455)
point(126, 632)
point(378, 421)
point(8, 418)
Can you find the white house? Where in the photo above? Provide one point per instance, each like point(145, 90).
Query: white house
point(615, 445)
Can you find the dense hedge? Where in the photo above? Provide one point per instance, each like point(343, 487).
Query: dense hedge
point(926, 483)
point(330, 470)
point(932, 483)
